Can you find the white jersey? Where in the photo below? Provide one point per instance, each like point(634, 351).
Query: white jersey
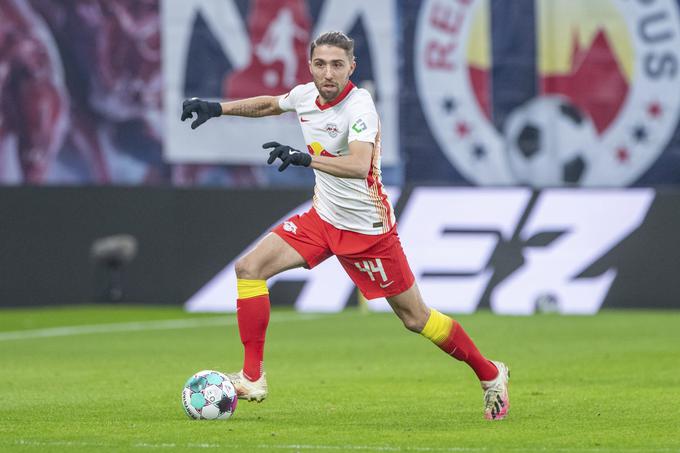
point(358, 205)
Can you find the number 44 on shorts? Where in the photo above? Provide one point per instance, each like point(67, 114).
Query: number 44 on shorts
point(371, 268)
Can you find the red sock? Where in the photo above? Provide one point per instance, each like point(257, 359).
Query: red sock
point(253, 317)
point(459, 345)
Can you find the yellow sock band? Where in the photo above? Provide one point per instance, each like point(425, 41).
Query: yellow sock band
point(251, 288)
point(438, 327)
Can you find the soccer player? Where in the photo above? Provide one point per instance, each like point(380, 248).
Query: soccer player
point(351, 218)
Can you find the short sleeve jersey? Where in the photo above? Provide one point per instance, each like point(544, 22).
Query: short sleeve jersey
point(358, 205)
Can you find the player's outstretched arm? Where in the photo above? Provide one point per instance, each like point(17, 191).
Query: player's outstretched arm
point(251, 107)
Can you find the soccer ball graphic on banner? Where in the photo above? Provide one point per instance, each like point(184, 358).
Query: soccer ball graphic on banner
point(550, 142)
point(209, 395)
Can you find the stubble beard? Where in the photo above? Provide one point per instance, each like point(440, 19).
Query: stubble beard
point(332, 95)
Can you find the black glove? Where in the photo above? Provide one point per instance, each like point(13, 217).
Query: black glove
point(287, 155)
point(204, 110)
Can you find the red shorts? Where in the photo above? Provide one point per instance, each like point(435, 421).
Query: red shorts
point(375, 263)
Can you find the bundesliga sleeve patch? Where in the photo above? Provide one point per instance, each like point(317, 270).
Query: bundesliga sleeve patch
point(359, 126)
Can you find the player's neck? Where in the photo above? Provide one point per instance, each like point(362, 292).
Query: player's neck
point(323, 101)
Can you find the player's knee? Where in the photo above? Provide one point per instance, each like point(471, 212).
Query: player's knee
point(413, 323)
point(247, 269)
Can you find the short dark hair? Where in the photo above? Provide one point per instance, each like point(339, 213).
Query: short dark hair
point(336, 39)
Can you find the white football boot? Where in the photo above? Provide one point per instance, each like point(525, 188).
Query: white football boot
point(249, 390)
point(496, 399)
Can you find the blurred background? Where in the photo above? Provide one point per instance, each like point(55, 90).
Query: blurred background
point(531, 148)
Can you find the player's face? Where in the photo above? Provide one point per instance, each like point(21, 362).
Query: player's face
point(331, 68)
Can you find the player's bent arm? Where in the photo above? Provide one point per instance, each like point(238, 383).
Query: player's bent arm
point(355, 165)
point(253, 107)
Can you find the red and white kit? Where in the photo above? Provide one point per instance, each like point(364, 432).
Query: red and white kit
point(351, 218)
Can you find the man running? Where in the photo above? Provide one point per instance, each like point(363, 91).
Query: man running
point(351, 218)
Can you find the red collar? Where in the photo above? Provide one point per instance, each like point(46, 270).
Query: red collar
point(337, 100)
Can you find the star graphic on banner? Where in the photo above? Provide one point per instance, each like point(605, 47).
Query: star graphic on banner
point(479, 152)
point(449, 105)
point(655, 110)
point(623, 155)
point(640, 134)
point(462, 129)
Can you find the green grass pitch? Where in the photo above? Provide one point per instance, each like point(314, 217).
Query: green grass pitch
point(109, 379)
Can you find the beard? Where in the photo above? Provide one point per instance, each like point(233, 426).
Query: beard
point(328, 90)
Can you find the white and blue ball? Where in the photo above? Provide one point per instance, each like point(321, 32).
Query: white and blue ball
point(209, 395)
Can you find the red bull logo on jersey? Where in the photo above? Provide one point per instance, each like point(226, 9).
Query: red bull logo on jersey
point(588, 96)
point(317, 149)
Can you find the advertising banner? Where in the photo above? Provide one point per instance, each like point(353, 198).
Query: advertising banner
point(215, 50)
point(512, 250)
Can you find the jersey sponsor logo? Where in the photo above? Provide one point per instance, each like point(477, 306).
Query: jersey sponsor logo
point(594, 102)
point(332, 130)
point(317, 149)
point(304, 120)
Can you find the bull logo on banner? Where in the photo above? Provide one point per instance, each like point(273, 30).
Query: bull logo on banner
point(280, 32)
point(550, 92)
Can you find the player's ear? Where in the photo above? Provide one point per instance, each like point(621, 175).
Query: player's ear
point(352, 66)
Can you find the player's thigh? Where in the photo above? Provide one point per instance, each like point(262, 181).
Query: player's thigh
point(380, 269)
point(269, 257)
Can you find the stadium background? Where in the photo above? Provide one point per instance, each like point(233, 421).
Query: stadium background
point(532, 144)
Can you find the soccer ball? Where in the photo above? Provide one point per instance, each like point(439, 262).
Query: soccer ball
point(209, 395)
point(550, 142)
